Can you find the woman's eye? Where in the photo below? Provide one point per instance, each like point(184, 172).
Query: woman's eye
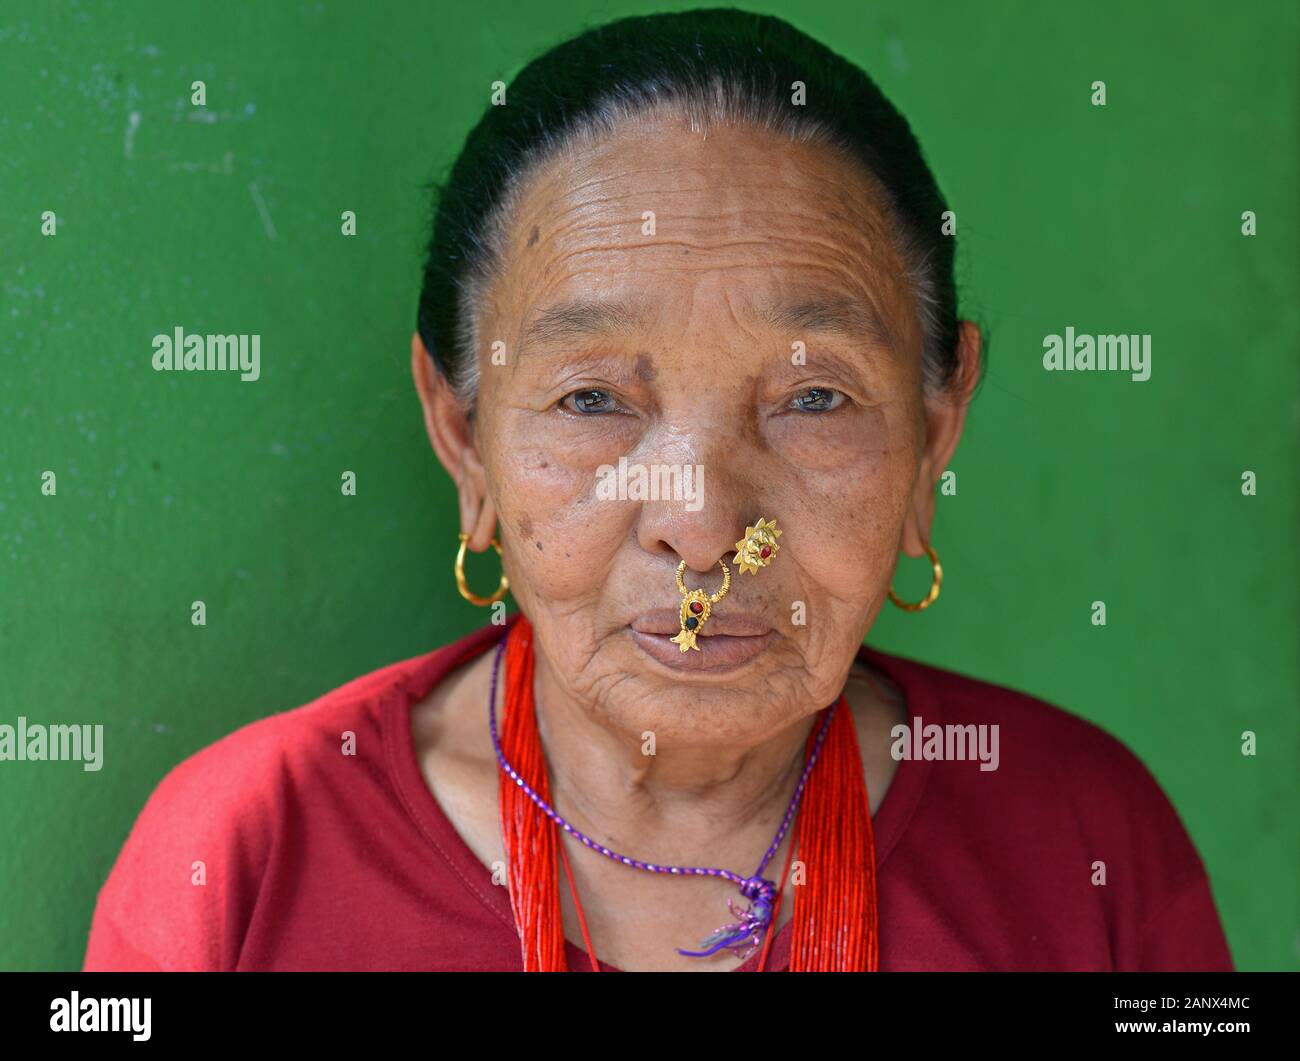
point(817, 400)
point(589, 402)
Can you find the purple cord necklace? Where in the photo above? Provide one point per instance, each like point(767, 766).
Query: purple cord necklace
point(744, 934)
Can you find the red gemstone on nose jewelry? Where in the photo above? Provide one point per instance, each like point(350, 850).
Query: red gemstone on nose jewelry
point(765, 552)
point(696, 607)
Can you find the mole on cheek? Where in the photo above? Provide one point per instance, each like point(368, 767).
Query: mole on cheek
point(526, 528)
point(532, 236)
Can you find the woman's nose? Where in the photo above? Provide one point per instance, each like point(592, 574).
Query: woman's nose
point(702, 519)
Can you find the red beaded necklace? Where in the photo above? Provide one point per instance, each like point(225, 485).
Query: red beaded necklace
point(835, 920)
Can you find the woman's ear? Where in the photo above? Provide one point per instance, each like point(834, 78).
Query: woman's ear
point(945, 416)
point(451, 431)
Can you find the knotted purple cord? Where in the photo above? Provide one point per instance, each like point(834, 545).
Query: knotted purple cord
point(751, 923)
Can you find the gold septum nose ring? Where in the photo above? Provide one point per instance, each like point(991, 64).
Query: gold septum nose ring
point(697, 606)
point(757, 549)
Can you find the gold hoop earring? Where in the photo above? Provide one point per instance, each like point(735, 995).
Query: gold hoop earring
point(463, 586)
point(920, 606)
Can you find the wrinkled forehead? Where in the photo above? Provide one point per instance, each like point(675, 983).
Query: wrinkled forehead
point(666, 222)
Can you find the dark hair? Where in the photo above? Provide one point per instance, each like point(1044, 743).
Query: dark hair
point(716, 64)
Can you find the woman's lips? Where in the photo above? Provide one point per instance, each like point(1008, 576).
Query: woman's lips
point(726, 642)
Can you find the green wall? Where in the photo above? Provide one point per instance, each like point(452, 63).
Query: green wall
point(181, 487)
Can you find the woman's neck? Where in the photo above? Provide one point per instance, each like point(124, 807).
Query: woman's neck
point(686, 796)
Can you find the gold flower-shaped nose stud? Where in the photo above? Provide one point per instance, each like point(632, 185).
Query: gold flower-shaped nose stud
point(758, 547)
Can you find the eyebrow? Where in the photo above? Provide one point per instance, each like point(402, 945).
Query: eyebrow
point(844, 316)
point(578, 318)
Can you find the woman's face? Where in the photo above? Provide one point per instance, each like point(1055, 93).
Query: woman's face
point(732, 303)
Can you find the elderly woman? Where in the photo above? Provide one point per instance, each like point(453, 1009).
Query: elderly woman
point(704, 250)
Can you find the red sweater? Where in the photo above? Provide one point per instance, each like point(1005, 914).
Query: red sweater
point(316, 860)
